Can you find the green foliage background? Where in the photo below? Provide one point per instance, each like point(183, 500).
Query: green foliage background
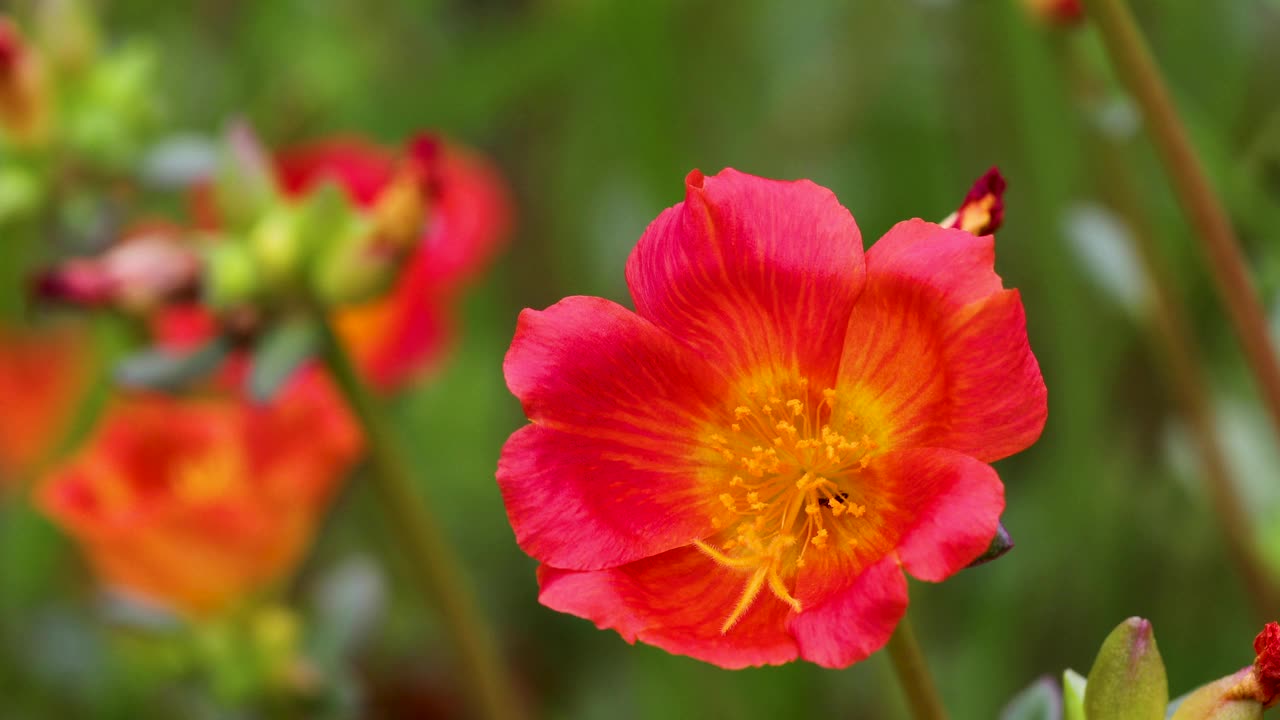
point(595, 111)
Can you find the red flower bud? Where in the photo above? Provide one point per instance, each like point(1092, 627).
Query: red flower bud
point(1056, 12)
point(982, 211)
point(136, 274)
point(1266, 667)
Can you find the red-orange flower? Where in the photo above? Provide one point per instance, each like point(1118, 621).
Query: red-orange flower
point(468, 216)
point(195, 502)
point(741, 469)
point(44, 375)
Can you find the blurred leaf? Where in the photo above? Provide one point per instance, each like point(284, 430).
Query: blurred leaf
point(170, 371)
point(1073, 687)
point(348, 601)
point(245, 184)
point(19, 191)
point(1041, 701)
point(1000, 544)
point(1128, 679)
point(1103, 245)
point(282, 351)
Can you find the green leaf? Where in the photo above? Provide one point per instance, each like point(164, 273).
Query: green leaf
point(1128, 679)
point(1073, 686)
point(283, 350)
point(1042, 700)
point(245, 184)
point(159, 369)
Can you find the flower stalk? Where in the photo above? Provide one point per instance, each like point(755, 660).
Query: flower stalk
point(1133, 61)
point(1187, 376)
point(913, 674)
point(433, 561)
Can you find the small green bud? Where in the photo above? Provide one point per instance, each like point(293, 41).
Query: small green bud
point(231, 275)
point(1128, 679)
point(277, 244)
point(353, 268)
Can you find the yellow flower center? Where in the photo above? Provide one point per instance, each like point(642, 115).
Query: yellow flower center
point(786, 455)
point(209, 476)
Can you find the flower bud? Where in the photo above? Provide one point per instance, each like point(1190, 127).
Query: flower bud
point(136, 275)
point(1056, 12)
point(1266, 666)
point(1128, 680)
point(1219, 701)
point(277, 244)
point(231, 275)
point(982, 211)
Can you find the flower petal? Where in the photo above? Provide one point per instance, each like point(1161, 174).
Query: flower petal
point(402, 334)
point(677, 601)
point(960, 266)
point(856, 621)
point(936, 352)
point(931, 511)
point(946, 507)
point(753, 274)
point(471, 215)
point(356, 165)
point(610, 472)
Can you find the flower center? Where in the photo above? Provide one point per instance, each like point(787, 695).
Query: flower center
point(788, 452)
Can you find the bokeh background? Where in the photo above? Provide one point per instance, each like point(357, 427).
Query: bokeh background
point(595, 111)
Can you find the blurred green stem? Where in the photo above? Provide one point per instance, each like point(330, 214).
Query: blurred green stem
point(1133, 61)
point(434, 563)
point(1186, 373)
point(913, 674)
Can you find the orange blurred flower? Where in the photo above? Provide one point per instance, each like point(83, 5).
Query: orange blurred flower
point(43, 376)
point(195, 502)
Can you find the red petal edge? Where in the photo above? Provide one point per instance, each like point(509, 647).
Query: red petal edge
point(609, 471)
point(676, 601)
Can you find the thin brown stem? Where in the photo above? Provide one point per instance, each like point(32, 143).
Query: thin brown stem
point(1133, 61)
point(432, 559)
point(913, 674)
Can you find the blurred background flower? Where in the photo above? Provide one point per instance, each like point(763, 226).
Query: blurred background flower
point(194, 503)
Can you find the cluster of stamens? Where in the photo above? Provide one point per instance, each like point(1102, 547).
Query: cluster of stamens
point(788, 457)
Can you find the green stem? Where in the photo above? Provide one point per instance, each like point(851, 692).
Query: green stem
point(1188, 378)
point(433, 561)
point(1132, 59)
point(913, 674)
